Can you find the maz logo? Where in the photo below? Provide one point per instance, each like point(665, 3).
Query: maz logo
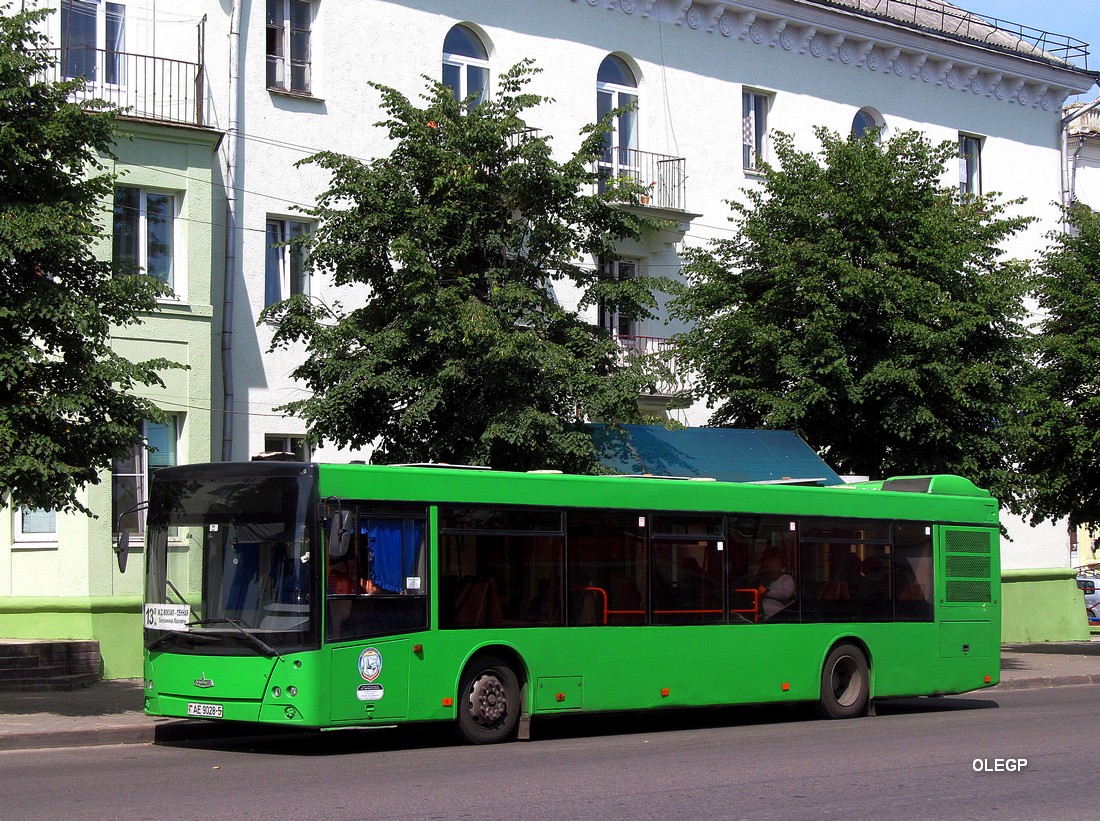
point(204, 682)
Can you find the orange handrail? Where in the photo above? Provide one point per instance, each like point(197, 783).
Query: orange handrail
point(607, 611)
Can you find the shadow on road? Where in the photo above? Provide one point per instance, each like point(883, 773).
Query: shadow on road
point(277, 741)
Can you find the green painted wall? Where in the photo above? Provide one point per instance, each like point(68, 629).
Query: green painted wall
point(69, 586)
point(1042, 604)
point(115, 622)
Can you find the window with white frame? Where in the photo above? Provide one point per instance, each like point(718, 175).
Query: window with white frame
point(280, 443)
point(612, 320)
point(754, 128)
point(466, 65)
point(617, 87)
point(289, 50)
point(93, 37)
point(34, 525)
point(130, 474)
point(970, 165)
point(285, 271)
point(144, 234)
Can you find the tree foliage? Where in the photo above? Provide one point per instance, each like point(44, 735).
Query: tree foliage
point(460, 351)
point(65, 402)
point(866, 305)
point(1062, 447)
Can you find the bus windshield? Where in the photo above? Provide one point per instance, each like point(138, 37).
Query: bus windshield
point(231, 564)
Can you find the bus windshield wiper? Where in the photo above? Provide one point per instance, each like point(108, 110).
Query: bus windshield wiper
point(170, 634)
point(264, 647)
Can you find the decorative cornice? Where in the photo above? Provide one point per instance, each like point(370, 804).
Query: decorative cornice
point(870, 44)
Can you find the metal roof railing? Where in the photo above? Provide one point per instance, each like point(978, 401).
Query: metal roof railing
point(945, 19)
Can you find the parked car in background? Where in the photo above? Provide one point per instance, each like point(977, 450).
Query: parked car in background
point(1088, 581)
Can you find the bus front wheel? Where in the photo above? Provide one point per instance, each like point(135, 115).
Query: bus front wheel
point(845, 683)
point(489, 707)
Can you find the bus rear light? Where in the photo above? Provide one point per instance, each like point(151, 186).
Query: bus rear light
point(448, 702)
point(664, 692)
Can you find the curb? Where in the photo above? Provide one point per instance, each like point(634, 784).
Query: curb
point(98, 737)
point(1048, 681)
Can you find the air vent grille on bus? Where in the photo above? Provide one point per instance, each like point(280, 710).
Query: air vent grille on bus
point(968, 565)
point(967, 541)
point(917, 484)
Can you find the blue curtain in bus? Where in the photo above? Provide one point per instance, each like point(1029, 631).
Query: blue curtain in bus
point(393, 544)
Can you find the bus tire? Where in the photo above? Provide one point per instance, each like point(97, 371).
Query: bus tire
point(488, 707)
point(845, 683)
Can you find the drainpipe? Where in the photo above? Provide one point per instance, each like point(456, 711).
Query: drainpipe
point(1069, 177)
point(230, 230)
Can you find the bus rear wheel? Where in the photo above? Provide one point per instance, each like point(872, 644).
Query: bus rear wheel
point(845, 683)
point(489, 707)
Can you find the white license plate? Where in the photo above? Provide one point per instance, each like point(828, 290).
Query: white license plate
point(204, 710)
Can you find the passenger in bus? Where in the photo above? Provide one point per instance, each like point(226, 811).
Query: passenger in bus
point(342, 576)
point(777, 588)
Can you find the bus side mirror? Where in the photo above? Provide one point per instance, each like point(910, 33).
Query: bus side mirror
point(339, 536)
point(122, 542)
point(122, 548)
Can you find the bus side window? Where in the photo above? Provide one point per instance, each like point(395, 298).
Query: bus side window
point(608, 568)
point(913, 573)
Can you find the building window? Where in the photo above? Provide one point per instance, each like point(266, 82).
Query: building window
point(285, 270)
point(754, 128)
point(130, 474)
point(615, 323)
point(279, 443)
point(616, 87)
point(144, 232)
point(90, 28)
point(466, 65)
point(868, 120)
point(970, 165)
point(34, 525)
point(288, 45)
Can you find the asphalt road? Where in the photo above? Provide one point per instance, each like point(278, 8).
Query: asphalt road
point(946, 758)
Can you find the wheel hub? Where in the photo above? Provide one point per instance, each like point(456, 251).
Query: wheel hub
point(488, 700)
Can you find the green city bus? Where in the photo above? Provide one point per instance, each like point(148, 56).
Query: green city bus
point(340, 596)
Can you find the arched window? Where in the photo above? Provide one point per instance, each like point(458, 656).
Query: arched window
point(867, 120)
point(466, 65)
point(616, 87)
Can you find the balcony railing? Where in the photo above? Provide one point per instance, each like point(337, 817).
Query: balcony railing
point(662, 176)
point(150, 88)
point(661, 353)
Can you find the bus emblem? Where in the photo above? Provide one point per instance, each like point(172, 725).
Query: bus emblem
point(204, 682)
point(370, 664)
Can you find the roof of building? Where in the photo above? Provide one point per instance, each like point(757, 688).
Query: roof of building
point(946, 19)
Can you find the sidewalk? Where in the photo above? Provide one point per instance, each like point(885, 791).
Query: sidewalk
point(110, 712)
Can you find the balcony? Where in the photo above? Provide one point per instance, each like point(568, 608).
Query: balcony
point(661, 354)
point(662, 176)
point(141, 86)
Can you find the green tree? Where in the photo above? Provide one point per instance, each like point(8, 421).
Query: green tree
point(1062, 447)
point(460, 351)
point(864, 304)
point(65, 402)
